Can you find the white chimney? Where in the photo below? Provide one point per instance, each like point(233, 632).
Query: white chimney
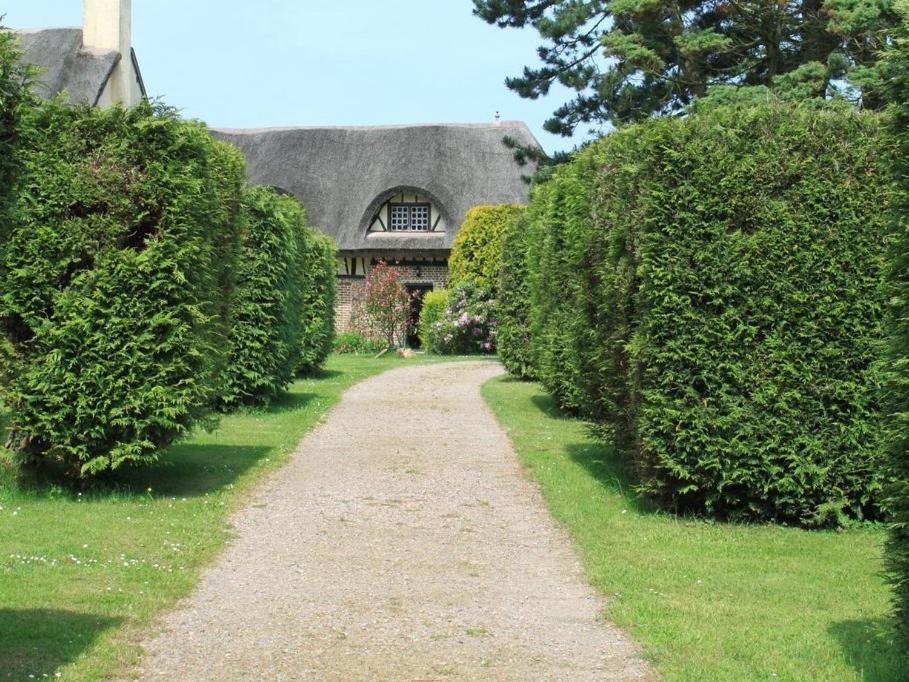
point(108, 28)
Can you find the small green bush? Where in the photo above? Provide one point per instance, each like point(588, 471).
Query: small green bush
point(514, 340)
point(354, 343)
point(115, 282)
point(266, 309)
point(318, 293)
point(433, 310)
point(709, 289)
point(468, 324)
point(476, 253)
point(897, 494)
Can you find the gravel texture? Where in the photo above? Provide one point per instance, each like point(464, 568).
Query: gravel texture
point(401, 542)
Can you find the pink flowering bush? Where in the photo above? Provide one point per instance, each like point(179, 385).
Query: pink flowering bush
point(468, 325)
point(381, 312)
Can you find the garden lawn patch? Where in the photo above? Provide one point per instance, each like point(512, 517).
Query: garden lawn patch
point(82, 574)
point(706, 600)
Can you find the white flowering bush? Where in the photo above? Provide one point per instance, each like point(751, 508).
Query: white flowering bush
point(468, 325)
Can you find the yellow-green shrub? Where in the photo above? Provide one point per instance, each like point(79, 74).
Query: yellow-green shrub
point(476, 253)
point(434, 304)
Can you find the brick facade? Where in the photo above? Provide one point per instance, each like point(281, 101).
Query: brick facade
point(431, 272)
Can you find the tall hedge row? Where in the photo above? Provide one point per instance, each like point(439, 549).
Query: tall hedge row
point(898, 332)
point(266, 309)
point(14, 94)
point(515, 342)
point(709, 288)
point(318, 293)
point(115, 282)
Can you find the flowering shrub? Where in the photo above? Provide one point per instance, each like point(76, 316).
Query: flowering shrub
point(381, 312)
point(468, 324)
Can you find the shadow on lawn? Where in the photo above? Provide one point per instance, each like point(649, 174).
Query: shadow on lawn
point(870, 648)
point(191, 470)
point(602, 460)
point(288, 402)
point(36, 642)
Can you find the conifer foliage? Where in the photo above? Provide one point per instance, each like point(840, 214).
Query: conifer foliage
point(898, 366)
point(142, 283)
point(627, 60)
point(709, 289)
point(114, 282)
point(276, 309)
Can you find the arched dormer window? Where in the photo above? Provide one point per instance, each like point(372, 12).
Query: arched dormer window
point(408, 213)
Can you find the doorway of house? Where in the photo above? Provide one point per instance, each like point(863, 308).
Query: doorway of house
point(416, 291)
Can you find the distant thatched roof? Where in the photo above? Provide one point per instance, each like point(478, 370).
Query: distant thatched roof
point(343, 174)
point(66, 66)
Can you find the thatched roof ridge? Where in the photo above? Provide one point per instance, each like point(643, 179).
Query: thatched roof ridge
point(343, 173)
point(65, 66)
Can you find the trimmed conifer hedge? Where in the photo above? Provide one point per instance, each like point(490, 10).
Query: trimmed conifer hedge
point(514, 340)
point(115, 282)
point(709, 288)
point(267, 307)
point(318, 294)
point(477, 249)
point(14, 94)
point(897, 494)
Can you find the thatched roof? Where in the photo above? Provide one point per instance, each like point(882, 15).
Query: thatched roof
point(66, 66)
point(343, 174)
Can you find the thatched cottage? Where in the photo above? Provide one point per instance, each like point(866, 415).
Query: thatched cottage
point(391, 193)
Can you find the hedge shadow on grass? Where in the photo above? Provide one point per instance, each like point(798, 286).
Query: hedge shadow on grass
point(288, 402)
point(191, 470)
point(37, 642)
point(601, 460)
point(870, 647)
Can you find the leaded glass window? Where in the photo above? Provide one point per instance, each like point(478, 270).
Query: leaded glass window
point(409, 217)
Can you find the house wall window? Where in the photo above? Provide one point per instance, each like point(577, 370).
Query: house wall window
point(409, 217)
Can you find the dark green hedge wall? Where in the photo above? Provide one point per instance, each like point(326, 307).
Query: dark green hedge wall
point(14, 94)
point(710, 289)
point(897, 494)
point(114, 282)
point(319, 290)
point(266, 308)
point(514, 340)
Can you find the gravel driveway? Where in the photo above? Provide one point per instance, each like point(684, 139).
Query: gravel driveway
point(402, 542)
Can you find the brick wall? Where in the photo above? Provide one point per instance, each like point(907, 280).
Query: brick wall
point(434, 273)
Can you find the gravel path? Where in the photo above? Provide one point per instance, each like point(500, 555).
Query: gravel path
point(402, 542)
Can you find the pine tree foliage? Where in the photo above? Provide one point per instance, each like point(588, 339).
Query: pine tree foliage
point(627, 60)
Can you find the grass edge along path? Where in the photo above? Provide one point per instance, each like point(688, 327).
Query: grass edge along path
point(82, 576)
point(706, 601)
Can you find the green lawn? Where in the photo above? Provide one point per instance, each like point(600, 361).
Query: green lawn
point(707, 601)
point(81, 576)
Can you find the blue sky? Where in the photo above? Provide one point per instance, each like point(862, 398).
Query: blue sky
point(315, 62)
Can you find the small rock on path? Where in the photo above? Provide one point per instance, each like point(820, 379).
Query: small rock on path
point(401, 542)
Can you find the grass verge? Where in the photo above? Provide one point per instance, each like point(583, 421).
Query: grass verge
point(707, 601)
point(82, 575)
